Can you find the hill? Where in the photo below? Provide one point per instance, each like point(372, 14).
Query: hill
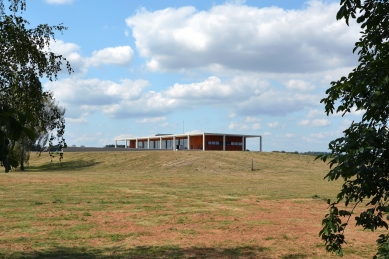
point(169, 204)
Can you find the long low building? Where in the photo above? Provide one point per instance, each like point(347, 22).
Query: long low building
point(192, 141)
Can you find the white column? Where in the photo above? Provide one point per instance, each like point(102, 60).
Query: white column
point(243, 143)
point(148, 143)
point(203, 141)
point(116, 143)
point(188, 142)
point(224, 142)
point(160, 142)
point(136, 143)
point(125, 143)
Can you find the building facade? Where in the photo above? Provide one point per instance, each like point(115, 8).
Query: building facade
point(192, 141)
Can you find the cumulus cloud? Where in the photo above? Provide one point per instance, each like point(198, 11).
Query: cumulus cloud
point(252, 119)
point(59, 1)
point(81, 120)
point(273, 124)
point(242, 37)
point(256, 126)
point(118, 56)
point(194, 132)
point(299, 85)
point(315, 114)
point(234, 125)
point(243, 95)
point(151, 120)
point(353, 112)
point(314, 123)
point(321, 137)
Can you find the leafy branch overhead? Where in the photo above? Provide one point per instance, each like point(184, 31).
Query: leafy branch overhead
point(24, 59)
point(361, 157)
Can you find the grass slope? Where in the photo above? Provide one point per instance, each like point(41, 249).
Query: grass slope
point(168, 205)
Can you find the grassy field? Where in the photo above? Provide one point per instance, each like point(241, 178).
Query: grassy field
point(170, 205)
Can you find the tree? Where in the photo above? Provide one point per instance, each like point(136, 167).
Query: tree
point(51, 115)
point(361, 156)
point(24, 59)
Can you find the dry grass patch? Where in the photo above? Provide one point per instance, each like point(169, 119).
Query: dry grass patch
point(169, 205)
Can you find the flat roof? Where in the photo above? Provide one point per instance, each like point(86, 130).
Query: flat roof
point(191, 134)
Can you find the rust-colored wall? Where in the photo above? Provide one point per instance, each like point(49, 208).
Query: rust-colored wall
point(196, 142)
point(213, 138)
point(234, 139)
point(132, 143)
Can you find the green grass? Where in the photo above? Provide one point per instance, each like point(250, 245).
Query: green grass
point(101, 205)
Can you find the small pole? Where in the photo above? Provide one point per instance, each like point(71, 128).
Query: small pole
point(252, 164)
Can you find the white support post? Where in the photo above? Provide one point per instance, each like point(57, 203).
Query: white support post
point(242, 143)
point(160, 142)
point(203, 141)
point(136, 143)
point(116, 143)
point(188, 142)
point(174, 143)
point(125, 143)
point(148, 143)
point(224, 142)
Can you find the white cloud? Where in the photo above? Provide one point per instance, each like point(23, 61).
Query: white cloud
point(320, 123)
point(244, 95)
point(267, 133)
point(151, 120)
point(315, 113)
point(353, 112)
point(76, 120)
point(95, 91)
point(256, 126)
point(314, 123)
point(241, 37)
point(194, 132)
point(299, 85)
point(321, 137)
point(289, 135)
point(234, 125)
point(273, 124)
point(120, 56)
point(252, 119)
point(304, 123)
point(59, 1)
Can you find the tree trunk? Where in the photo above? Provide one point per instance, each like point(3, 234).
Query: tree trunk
point(22, 160)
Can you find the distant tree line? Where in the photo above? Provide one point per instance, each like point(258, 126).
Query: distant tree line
point(313, 153)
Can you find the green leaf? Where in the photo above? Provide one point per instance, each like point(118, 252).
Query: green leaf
point(30, 134)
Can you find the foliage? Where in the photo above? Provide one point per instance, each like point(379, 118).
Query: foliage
point(361, 156)
point(24, 59)
point(49, 116)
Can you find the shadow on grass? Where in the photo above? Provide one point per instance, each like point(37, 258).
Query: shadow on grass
point(294, 256)
point(146, 252)
point(63, 166)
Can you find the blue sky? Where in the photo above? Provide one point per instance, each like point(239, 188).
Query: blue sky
point(247, 67)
